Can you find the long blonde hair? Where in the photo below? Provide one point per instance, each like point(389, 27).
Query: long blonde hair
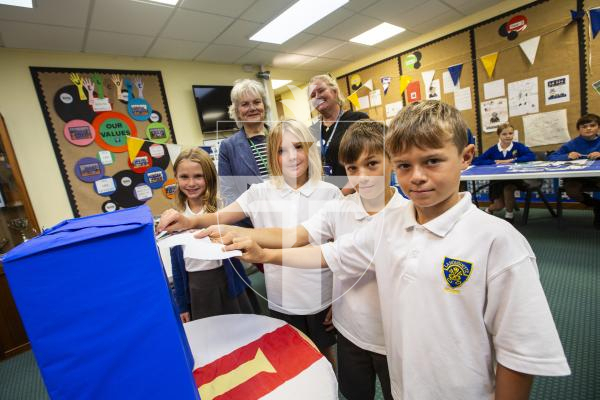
point(301, 132)
point(210, 197)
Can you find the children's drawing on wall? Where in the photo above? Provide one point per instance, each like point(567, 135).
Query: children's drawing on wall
point(523, 97)
point(434, 92)
point(493, 113)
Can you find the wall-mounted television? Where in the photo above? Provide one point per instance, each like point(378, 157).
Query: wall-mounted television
point(212, 103)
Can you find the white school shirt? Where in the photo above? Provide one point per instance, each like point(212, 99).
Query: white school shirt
point(192, 264)
point(443, 343)
point(291, 290)
point(356, 310)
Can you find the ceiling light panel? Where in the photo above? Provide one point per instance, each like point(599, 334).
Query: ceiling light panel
point(17, 3)
point(378, 34)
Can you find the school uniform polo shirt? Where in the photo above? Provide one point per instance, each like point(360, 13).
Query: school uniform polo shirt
point(356, 311)
point(458, 294)
point(193, 264)
point(291, 290)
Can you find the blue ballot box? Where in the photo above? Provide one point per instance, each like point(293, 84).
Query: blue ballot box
point(97, 308)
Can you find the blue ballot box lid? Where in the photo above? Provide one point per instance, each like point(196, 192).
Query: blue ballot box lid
point(86, 228)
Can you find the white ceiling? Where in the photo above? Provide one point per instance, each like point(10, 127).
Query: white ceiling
point(217, 31)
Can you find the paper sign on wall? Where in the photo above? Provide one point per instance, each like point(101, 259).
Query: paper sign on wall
point(462, 99)
point(434, 91)
point(413, 92)
point(557, 90)
point(493, 89)
point(375, 98)
point(449, 86)
point(363, 102)
point(546, 128)
point(523, 97)
point(392, 109)
point(493, 113)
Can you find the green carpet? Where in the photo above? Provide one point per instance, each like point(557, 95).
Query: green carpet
point(568, 257)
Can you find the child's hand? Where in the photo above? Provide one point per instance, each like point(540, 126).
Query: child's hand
point(594, 155)
point(219, 233)
point(505, 161)
point(574, 155)
point(251, 251)
point(185, 317)
point(328, 321)
point(173, 221)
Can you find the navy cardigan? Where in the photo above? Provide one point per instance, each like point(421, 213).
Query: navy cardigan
point(519, 152)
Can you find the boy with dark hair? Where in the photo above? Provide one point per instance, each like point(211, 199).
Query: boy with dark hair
point(463, 310)
point(586, 145)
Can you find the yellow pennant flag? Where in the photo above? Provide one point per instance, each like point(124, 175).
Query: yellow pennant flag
point(404, 81)
point(133, 146)
point(489, 63)
point(354, 100)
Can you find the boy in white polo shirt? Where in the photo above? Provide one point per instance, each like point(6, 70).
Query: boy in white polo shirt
point(464, 313)
point(356, 311)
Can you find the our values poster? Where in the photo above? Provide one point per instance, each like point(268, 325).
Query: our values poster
point(557, 90)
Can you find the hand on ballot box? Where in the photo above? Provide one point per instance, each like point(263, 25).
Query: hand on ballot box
point(250, 250)
point(173, 221)
point(222, 234)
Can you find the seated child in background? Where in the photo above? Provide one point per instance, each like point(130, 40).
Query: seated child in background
point(356, 311)
point(463, 319)
point(204, 288)
point(502, 193)
point(586, 145)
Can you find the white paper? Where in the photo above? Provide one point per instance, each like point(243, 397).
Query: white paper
point(427, 77)
point(449, 86)
point(493, 89)
point(530, 47)
point(105, 185)
point(143, 192)
point(493, 113)
point(392, 109)
point(375, 98)
point(462, 99)
point(557, 90)
point(434, 92)
point(157, 151)
point(199, 249)
point(546, 128)
point(105, 157)
point(363, 102)
point(103, 104)
point(523, 97)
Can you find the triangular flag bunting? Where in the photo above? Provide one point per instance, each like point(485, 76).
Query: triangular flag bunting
point(173, 150)
point(427, 78)
point(489, 63)
point(595, 21)
point(133, 146)
point(530, 47)
point(354, 100)
point(404, 81)
point(455, 71)
point(369, 84)
point(385, 82)
point(575, 15)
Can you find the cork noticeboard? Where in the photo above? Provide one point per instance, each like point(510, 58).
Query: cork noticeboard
point(557, 55)
point(593, 74)
point(439, 56)
point(89, 114)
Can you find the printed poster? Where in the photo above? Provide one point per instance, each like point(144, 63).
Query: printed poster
point(557, 90)
point(375, 97)
point(493, 89)
point(493, 113)
point(392, 109)
point(413, 92)
point(523, 97)
point(462, 99)
point(546, 128)
point(434, 92)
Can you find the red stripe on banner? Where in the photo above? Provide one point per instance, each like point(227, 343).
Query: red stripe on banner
point(287, 351)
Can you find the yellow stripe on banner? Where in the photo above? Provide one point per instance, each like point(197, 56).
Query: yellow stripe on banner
point(224, 383)
point(354, 100)
point(133, 146)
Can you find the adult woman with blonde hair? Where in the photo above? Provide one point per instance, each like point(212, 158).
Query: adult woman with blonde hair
point(326, 99)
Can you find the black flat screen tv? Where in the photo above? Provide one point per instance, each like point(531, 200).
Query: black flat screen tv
point(212, 103)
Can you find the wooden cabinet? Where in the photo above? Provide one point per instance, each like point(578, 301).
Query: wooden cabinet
point(17, 221)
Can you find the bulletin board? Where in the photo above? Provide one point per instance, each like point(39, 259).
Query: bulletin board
point(90, 113)
point(343, 90)
point(379, 97)
point(557, 57)
point(438, 56)
point(594, 73)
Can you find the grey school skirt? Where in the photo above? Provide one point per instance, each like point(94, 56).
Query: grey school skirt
point(209, 295)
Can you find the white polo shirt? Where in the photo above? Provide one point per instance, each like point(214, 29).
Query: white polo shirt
point(356, 311)
point(193, 264)
point(291, 290)
point(458, 294)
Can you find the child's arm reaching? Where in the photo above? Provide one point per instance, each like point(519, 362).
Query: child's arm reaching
point(270, 238)
point(512, 385)
point(303, 257)
point(174, 221)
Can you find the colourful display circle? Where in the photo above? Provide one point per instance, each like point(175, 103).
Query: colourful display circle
point(142, 192)
point(79, 132)
point(140, 163)
point(89, 169)
point(139, 109)
point(157, 150)
point(155, 177)
point(170, 188)
point(109, 206)
point(105, 186)
point(158, 132)
point(112, 129)
point(155, 116)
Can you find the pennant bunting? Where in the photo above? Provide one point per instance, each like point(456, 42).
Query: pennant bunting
point(385, 82)
point(404, 81)
point(369, 84)
point(173, 150)
point(594, 15)
point(133, 146)
point(427, 78)
point(530, 47)
point(353, 98)
point(489, 63)
point(576, 15)
point(455, 71)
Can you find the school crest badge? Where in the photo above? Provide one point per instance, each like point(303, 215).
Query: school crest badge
point(456, 272)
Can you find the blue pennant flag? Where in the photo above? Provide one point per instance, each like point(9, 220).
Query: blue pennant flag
point(575, 15)
point(595, 21)
point(455, 71)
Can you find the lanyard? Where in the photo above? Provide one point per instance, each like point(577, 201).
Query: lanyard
point(255, 150)
point(325, 146)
